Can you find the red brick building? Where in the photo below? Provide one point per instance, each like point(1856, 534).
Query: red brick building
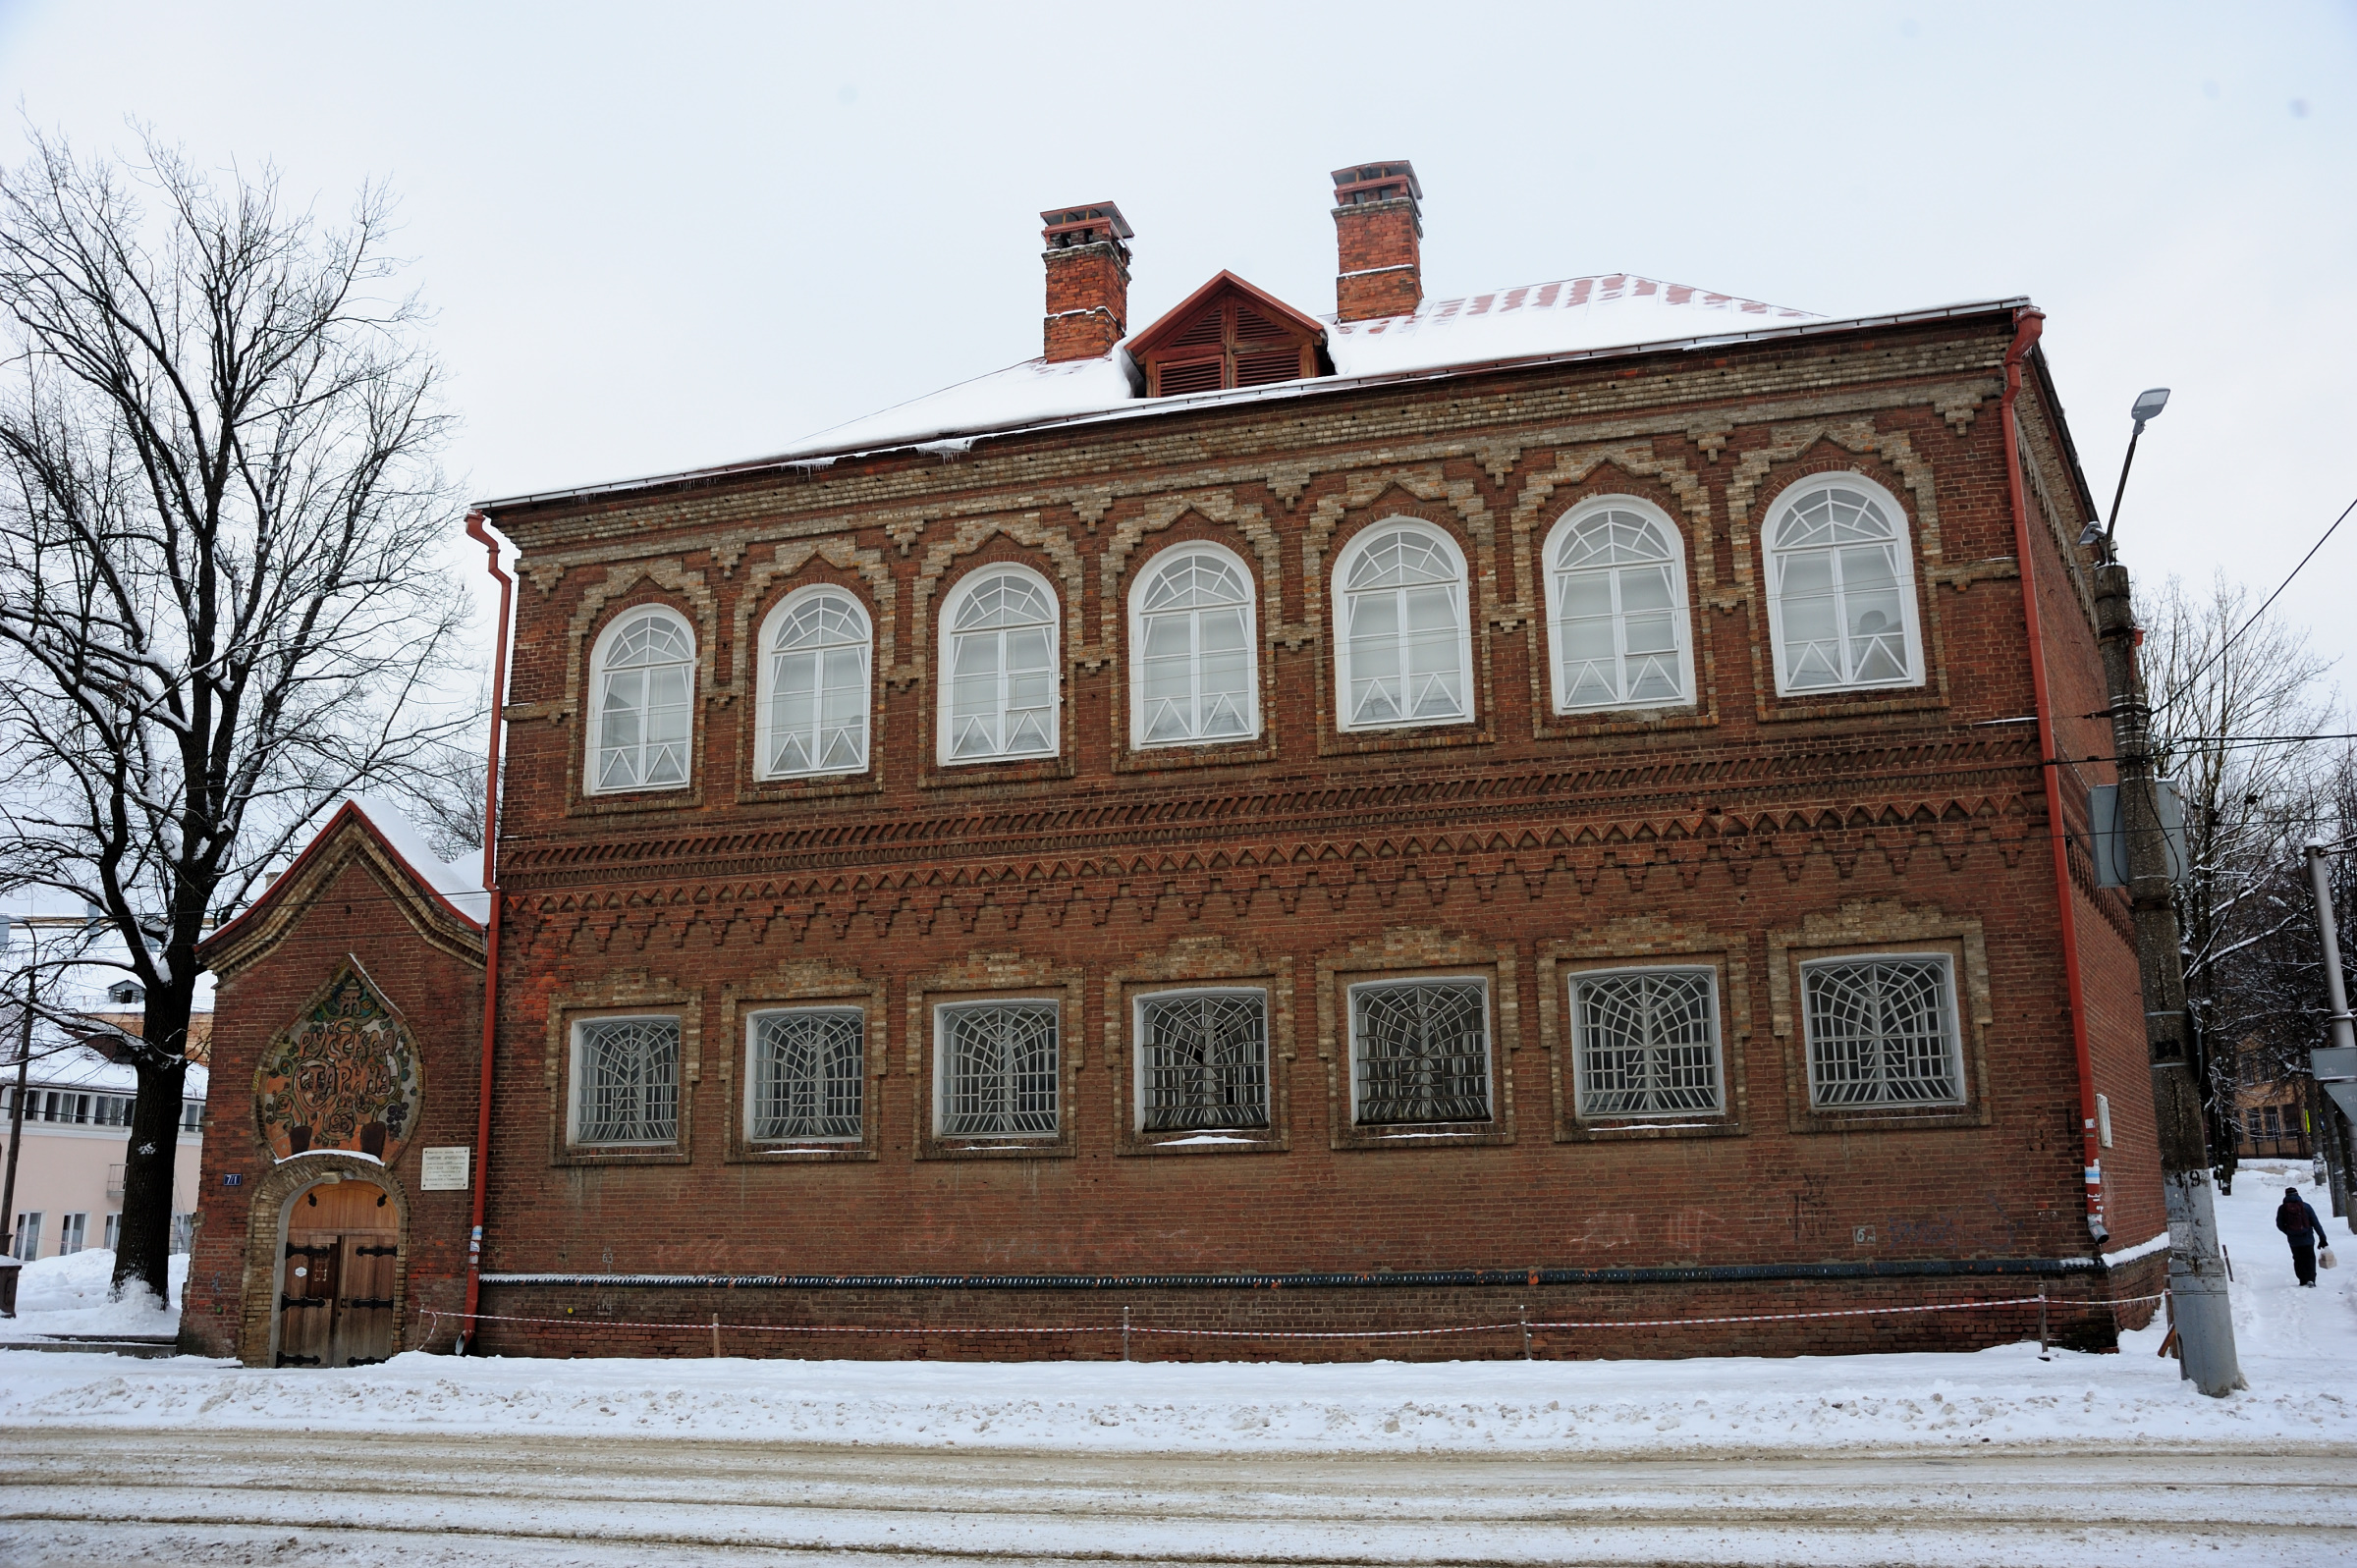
point(1521, 807)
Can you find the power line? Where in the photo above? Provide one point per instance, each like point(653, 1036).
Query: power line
point(2262, 609)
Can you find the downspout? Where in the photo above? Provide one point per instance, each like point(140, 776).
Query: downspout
point(2028, 324)
point(476, 531)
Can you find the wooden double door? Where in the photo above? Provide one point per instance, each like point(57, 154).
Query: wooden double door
point(335, 1291)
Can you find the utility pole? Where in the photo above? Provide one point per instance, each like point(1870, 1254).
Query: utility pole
point(2197, 1273)
point(2333, 1068)
point(16, 1110)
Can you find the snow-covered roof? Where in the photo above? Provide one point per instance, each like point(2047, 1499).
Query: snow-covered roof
point(88, 1069)
point(1572, 316)
point(459, 881)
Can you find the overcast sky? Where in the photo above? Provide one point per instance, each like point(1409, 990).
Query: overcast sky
point(658, 238)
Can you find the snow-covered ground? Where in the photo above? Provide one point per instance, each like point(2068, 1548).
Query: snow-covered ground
point(2298, 1348)
point(68, 1296)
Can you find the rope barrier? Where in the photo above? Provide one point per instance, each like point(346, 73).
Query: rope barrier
point(2042, 1300)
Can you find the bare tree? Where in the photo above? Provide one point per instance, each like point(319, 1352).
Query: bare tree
point(2221, 682)
point(220, 599)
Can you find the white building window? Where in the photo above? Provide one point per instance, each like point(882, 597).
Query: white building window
point(1882, 1031)
point(809, 1068)
point(1191, 670)
point(72, 1234)
point(997, 1068)
point(642, 680)
point(1420, 1051)
point(1616, 608)
point(1647, 1043)
point(999, 692)
point(1404, 652)
point(625, 1081)
point(29, 1235)
point(1841, 588)
point(184, 1232)
point(113, 1232)
point(814, 686)
point(1202, 1060)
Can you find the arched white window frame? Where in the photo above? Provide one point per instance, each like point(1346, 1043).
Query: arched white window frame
point(1344, 608)
point(1613, 576)
point(601, 653)
point(946, 664)
point(1780, 560)
point(766, 684)
point(1143, 708)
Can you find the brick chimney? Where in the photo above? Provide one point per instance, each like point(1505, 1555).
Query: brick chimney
point(1377, 228)
point(1089, 280)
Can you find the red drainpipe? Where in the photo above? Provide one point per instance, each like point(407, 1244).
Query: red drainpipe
point(482, 1125)
point(2028, 324)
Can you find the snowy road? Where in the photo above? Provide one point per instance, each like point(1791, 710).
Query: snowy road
point(87, 1495)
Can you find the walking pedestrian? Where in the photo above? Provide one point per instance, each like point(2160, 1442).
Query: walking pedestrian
point(2303, 1231)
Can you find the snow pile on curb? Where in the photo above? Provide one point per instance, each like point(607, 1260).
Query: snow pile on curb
point(68, 1296)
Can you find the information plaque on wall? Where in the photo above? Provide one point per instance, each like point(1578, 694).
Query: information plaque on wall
point(444, 1170)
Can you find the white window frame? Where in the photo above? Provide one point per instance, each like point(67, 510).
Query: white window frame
point(1772, 557)
point(576, 1062)
point(942, 1013)
point(1949, 1021)
point(1580, 1045)
point(765, 683)
point(1489, 1046)
point(1338, 609)
point(591, 763)
point(1160, 562)
point(1140, 1068)
point(945, 665)
point(753, 1075)
point(72, 1233)
point(28, 1238)
point(1681, 610)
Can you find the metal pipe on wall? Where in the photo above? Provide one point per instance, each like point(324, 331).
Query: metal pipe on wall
point(477, 531)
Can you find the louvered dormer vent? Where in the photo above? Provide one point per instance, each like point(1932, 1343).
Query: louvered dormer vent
point(1228, 334)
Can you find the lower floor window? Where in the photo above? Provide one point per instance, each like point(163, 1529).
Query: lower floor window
point(807, 1070)
point(1420, 1051)
point(113, 1232)
point(1648, 1043)
point(1203, 1060)
point(626, 1087)
point(1882, 1031)
point(184, 1232)
point(28, 1242)
point(999, 1069)
point(72, 1234)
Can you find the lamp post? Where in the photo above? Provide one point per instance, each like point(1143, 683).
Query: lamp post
point(2197, 1273)
point(2146, 408)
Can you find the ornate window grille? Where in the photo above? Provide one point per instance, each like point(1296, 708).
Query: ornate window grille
point(1406, 643)
point(1203, 1060)
point(1648, 1043)
point(1420, 1051)
point(1000, 697)
point(816, 717)
point(1841, 590)
point(999, 1069)
point(1882, 1031)
point(646, 683)
point(807, 1070)
point(627, 1081)
point(1191, 642)
point(1620, 626)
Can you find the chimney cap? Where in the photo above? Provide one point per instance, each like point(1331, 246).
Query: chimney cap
point(1084, 223)
point(1365, 182)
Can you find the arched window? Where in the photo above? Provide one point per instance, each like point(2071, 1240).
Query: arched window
point(814, 686)
point(1616, 608)
point(1192, 673)
point(998, 698)
point(642, 674)
point(1841, 588)
point(1404, 653)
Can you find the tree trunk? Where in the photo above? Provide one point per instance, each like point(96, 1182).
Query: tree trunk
point(143, 1252)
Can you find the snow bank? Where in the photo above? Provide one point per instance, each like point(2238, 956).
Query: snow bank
point(2297, 1347)
point(68, 1296)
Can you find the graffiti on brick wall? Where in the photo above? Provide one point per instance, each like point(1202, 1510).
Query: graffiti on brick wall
point(345, 1075)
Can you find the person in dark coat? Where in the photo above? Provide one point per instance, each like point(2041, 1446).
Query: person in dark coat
point(2303, 1231)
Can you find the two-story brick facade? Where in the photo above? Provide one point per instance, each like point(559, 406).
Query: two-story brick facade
point(1534, 806)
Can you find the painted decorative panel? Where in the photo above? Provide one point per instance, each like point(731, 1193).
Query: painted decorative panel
point(345, 1076)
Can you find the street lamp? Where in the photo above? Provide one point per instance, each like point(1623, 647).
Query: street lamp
point(2147, 407)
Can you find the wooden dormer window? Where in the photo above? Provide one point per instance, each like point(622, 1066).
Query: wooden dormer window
point(1228, 334)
